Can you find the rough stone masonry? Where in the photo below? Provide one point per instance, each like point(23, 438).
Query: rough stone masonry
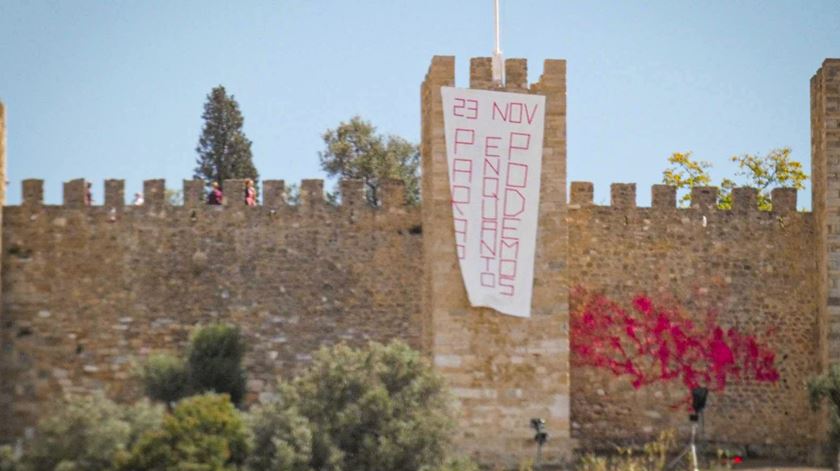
point(89, 292)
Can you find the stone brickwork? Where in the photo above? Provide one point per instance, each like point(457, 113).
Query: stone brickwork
point(756, 269)
point(89, 292)
point(825, 161)
point(3, 378)
point(503, 370)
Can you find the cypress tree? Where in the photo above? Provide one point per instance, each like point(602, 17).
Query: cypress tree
point(223, 150)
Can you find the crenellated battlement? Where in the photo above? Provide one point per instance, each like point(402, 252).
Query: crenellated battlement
point(703, 199)
point(274, 195)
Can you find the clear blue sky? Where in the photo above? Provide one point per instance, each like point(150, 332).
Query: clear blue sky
point(114, 89)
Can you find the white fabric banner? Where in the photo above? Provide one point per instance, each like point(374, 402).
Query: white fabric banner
point(494, 143)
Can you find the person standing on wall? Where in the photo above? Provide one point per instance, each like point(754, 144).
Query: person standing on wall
point(215, 196)
point(250, 193)
point(88, 194)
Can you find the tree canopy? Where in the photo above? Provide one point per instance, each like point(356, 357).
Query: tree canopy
point(213, 363)
point(355, 150)
point(223, 150)
point(382, 407)
point(775, 169)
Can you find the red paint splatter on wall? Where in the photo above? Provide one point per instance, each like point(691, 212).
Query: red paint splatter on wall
point(651, 342)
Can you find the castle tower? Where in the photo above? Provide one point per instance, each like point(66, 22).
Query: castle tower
point(825, 179)
point(2, 172)
point(2, 155)
point(502, 370)
point(3, 376)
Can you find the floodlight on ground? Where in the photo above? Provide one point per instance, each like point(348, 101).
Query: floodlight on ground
point(541, 436)
point(698, 403)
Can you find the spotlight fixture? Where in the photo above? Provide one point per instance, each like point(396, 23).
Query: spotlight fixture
point(698, 402)
point(539, 426)
point(541, 436)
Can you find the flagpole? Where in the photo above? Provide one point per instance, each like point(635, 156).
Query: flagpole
point(497, 50)
point(498, 62)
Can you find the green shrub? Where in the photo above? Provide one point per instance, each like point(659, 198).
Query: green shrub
point(214, 361)
point(142, 417)
point(165, 378)
point(827, 386)
point(8, 459)
point(89, 433)
point(203, 433)
point(456, 464)
point(282, 437)
point(378, 408)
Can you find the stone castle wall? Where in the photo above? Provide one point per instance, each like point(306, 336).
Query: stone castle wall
point(91, 291)
point(756, 269)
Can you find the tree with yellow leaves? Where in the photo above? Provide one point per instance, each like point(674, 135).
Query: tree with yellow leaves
point(776, 169)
